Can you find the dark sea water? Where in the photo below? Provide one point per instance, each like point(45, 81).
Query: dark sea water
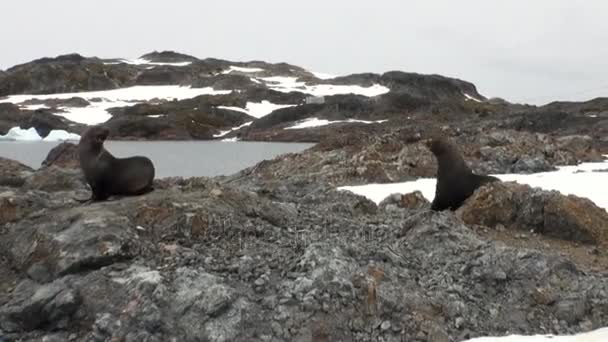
point(171, 158)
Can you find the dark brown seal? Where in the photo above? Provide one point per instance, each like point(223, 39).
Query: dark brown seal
point(108, 175)
point(455, 180)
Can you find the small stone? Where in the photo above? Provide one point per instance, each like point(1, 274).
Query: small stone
point(260, 281)
point(385, 325)
point(459, 322)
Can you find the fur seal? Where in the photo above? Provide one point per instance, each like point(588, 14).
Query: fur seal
point(455, 180)
point(108, 175)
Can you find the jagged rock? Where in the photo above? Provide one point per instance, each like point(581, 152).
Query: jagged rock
point(76, 240)
point(33, 306)
point(521, 207)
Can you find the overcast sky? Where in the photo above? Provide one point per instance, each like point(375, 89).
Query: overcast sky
point(531, 51)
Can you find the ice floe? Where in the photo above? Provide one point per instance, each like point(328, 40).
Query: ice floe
point(580, 180)
point(30, 134)
point(314, 122)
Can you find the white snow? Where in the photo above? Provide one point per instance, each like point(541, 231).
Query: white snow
point(580, 180)
point(469, 97)
point(257, 109)
point(314, 122)
point(323, 76)
point(141, 61)
point(255, 80)
point(222, 133)
point(34, 107)
point(18, 134)
point(599, 335)
point(287, 84)
point(241, 69)
point(157, 116)
point(97, 113)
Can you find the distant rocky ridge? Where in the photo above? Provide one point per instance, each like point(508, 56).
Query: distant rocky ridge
point(291, 94)
point(253, 81)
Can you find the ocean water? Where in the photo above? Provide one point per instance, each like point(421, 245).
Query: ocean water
point(171, 158)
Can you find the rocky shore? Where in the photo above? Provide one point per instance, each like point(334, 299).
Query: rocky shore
point(276, 253)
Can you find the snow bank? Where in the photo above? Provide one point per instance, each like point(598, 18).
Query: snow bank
point(257, 109)
point(241, 69)
point(222, 133)
point(101, 101)
point(287, 84)
point(18, 134)
point(599, 335)
point(580, 180)
point(314, 122)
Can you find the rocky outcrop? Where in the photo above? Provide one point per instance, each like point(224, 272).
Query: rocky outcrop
point(64, 155)
point(168, 57)
point(202, 258)
point(381, 153)
point(521, 207)
point(198, 118)
point(64, 74)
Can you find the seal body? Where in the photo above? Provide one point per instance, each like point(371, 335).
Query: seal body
point(109, 176)
point(455, 180)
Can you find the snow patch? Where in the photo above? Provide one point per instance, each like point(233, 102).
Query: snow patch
point(34, 107)
point(599, 335)
point(141, 61)
point(579, 180)
point(288, 84)
point(100, 101)
point(30, 134)
point(223, 133)
point(156, 116)
point(469, 97)
point(323, 76)
point(241, 69)
point(314, 122)
point(257, 109)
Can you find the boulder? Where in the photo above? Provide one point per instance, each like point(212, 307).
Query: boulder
point(64, 155)
point(517, 206)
